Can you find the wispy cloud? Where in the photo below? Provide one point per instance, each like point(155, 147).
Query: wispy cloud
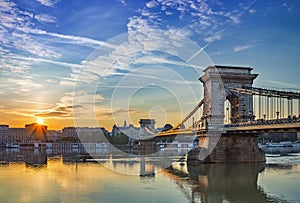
point(53, 114)
point(23, 85)
point(111, 112)
point(252, 11)
point(245, 47)
point(206, 18)
point(123, 2)
point(39, 60)
point(32, 102)
point(212, 38)
point(12, 20)
point(288, 5)
point(282, 84)
point(137, 52)
point(49, 3)
point(45, 18)
point(152, 4)
point(242, 48)
point(60, 111)
point(71, 39)
point(19, 33)
point(14, 66)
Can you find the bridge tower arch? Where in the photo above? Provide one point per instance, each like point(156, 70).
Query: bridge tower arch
point(217, 81)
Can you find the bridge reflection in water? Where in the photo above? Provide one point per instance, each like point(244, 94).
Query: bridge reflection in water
point(220, 182)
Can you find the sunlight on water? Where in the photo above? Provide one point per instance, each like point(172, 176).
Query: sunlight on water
point(80, 182)
point(61, 179)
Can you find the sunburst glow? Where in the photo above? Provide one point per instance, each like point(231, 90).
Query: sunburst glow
point(40, 121)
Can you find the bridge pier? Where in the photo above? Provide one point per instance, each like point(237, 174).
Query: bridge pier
point(230, 148)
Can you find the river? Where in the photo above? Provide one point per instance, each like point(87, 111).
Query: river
point(36, 176)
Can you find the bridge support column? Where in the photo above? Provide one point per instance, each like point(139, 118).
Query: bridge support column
point(230, 148)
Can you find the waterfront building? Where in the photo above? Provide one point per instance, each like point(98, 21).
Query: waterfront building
point(130, 130)
point(68, 132)
point(54, 135)
point(146, 129)
point(84, 134)
point(31, 133)
point(36, 132)
point(4, 134)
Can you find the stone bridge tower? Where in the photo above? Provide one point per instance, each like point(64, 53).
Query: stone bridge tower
point(217, 146)
point(217, 81)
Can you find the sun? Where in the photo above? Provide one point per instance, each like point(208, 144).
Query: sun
point(40, 121)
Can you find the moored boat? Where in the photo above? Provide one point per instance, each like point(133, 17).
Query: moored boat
point(280, 144)
point(12, 145)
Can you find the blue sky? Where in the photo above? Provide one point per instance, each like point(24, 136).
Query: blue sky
point(129, 59)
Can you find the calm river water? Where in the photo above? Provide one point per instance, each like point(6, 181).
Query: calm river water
point(42, 177)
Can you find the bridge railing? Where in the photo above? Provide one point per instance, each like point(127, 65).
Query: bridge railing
point(264, 122)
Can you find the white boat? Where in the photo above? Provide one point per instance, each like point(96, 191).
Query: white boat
point(275, 145)
point(296, 144)
point(280, 144)
point(262, 145)
point(12, 145)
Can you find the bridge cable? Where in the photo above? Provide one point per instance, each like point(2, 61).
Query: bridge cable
point(283, 108)
point(190, 114)
point(259, 107)
point(280, 112)
point(289, 108)
point(254, 106)
point(272, 108)
point(267, 107)
point(277, 108)
point(292, 109)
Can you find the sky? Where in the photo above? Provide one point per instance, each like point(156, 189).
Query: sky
point(98, 62)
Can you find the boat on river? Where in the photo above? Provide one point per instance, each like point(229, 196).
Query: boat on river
point(280, 144)
point(12, 145)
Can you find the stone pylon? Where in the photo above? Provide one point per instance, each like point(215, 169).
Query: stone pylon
point(217, 81)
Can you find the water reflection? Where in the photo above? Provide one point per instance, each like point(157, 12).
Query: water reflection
point(37, 176)
point(35, 158)
point(121, 163)
point(238, 182)
point(64, 179)
point(220, 182)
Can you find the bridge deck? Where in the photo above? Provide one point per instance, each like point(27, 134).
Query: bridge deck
point(276, 127)
point(284, 127)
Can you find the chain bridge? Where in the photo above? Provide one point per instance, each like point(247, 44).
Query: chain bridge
point(232, 113)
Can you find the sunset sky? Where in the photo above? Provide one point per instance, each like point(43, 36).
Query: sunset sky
point(101, 62)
